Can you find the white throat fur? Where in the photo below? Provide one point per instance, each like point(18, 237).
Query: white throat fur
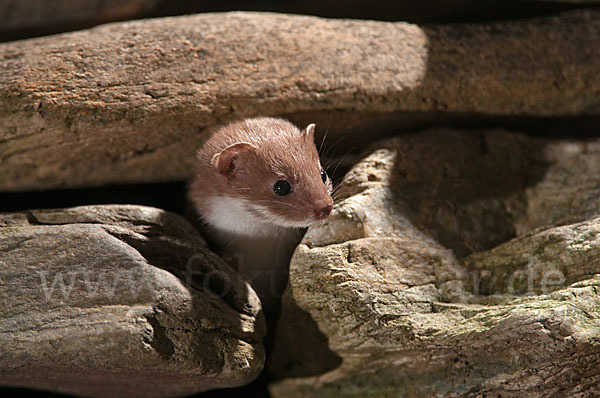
point(242, 217)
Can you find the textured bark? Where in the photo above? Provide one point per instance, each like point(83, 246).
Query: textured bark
point(130, 102)
point(440, 273)
point(121, 301)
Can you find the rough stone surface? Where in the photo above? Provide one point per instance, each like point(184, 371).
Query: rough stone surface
point(440, 273)
point(130, 102)
point(121, 301)
point(29, 14)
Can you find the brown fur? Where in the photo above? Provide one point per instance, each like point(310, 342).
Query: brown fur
point(277, 150)
point(243, 161)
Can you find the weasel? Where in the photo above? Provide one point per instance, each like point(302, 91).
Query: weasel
point(258, 183)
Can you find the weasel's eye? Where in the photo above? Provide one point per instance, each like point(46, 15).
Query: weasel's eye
point(324, 176)
point(282, 188)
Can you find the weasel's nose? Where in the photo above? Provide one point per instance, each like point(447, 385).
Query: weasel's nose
point(323, 212)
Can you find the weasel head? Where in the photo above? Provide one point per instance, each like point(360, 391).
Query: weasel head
point(268, 180)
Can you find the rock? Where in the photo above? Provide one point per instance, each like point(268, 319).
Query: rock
point(471, 191)
point(568, 185)
point(538, 262)
point(438, 274)
point(131, 102)
point(122, 301)
point(299, 348)
point(30, 18)
point(30, 14)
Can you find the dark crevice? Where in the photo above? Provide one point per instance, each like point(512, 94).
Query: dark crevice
point(423, 12)
point(427, 11)
point(352, 131)
point(160, 341)
point(30, 393)
point(346, 132)
point(31, 219)
point(168, 196)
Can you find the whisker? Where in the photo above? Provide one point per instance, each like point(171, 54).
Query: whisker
point(326, 131)
point(329, 148)
point(323, 140)
point(340, 161)
point(266, 201)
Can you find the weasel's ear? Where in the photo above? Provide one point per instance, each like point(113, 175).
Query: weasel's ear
point(309, 132)
point(225, 162)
